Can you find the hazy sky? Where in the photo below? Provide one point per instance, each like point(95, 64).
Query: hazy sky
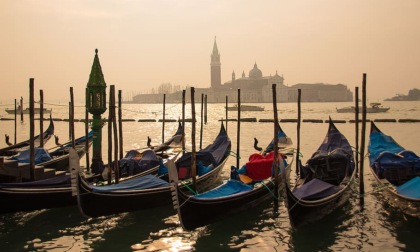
point(143, 43)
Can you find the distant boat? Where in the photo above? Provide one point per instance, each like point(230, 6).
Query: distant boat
point(26, 110)
point(246, 108)
point(374, 108)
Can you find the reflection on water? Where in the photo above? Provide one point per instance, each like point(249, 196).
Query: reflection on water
point(378, 227)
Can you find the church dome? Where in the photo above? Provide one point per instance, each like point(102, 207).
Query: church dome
point(255, 72)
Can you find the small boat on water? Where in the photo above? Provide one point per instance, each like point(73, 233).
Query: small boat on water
point(396, 170)
point(57, 191)
point(374, 108)
point(245, 108)
point(148, 191)
point(19, 110)
point(324, 182)
point(248, 187)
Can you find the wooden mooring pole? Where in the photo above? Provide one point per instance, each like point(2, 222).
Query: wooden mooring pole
point(183, 121)
point(356, 119)
point(275, 144)
point(163, 121)
point(193, 157)
point(31, 129)
point(298, 132)
point(238, 132)
point(120, 128)
point(202, 120)
point(362, 145)
point(87, 134)
point(71, 121)
point(41, 117)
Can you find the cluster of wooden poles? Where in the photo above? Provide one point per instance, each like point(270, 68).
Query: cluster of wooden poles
point(115, 140)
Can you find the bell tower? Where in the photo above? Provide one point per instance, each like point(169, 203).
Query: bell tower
point(215, 72)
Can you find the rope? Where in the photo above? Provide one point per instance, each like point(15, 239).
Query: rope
point(272, 194)
point(184, 183)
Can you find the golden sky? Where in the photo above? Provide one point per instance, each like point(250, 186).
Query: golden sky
point(143, 43)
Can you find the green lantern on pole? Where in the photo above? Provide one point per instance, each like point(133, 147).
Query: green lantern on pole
point(96, 105)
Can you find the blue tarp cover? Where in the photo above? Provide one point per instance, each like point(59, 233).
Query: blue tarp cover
point(135, 162)
point(143, 182)
point(229, 188)
point(379, 142)
point(410, 189)
point(213, 154)
point(41, 155)
point(315, 189)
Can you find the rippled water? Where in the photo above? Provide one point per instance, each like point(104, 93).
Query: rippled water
point(378, 227)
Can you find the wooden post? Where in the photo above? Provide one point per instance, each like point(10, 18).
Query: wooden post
point(298, 133)
point(193, 157)
point(87, 134)
point(110, 138)
point(276, 144)
point(163, 121)
point(31, 129)
point(356, 93)
point(183, 121)
point(15, 122)
point(238, 140)
point(21, 109)
point(71, 121)
point(41, 117)
point(201, 119)
point(226, 108)
point(114, 127)
point(205, 109)
point(362, 145)
point(120, 128)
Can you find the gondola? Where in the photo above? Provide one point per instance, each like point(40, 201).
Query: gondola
point(56, 157)
point(42, 194)
point(248, 187)
point(16, 148)
point(53, 192)
point(142, 192)
point(324, 183)
point(396, 171)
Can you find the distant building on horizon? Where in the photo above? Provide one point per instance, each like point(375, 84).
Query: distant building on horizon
point(255, 88)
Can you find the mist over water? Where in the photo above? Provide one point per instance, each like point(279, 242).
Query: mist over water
point(378, 227)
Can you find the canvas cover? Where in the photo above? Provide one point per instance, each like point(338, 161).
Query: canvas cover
point(229, 188)
point(398, 168)
point(41, 156)
point(315, 189)
point(142, 182)
point(334, 158)
point(411, 188)
point(135, 162)
point(379, 142)
point(213, 154)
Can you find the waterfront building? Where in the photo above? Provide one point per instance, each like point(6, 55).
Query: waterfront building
point(255, 88)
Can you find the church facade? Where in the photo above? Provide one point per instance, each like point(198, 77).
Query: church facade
point(255, 88)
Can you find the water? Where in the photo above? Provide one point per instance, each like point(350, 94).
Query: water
point(377, 227)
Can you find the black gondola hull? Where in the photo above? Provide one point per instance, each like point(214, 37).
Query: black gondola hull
point(302, 212)
point(194, 213)
point(18, 199)
point(93, 204)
